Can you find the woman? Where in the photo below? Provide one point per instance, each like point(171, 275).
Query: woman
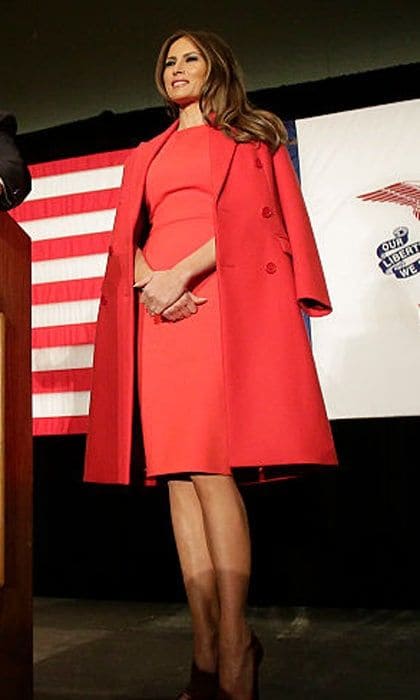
point(209, 219)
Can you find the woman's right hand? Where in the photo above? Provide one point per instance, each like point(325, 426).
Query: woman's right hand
point(183, 307)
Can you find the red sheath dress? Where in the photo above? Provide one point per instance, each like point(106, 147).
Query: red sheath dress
point(180, 380)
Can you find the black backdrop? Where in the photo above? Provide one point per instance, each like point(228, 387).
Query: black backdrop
point(347, 537)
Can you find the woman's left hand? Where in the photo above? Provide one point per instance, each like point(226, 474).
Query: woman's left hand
point(162, 288)
point(184, 307)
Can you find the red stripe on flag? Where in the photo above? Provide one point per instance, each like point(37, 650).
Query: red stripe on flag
point(79, 203)
point(57, 336)
point(70, 290)
point(47, 382)
point(69, 165)
point(69, 246)
point(60, 425)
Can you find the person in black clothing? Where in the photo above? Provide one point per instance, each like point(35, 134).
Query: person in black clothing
point(15, 179)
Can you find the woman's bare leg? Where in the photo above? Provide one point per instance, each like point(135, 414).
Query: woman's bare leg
point(197, 570)
point(226, 527)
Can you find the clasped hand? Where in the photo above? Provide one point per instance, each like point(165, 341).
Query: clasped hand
point(164, 293)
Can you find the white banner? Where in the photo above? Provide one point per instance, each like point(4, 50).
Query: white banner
point(360, 173)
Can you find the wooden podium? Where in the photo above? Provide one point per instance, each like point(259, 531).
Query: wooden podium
point(15, 463)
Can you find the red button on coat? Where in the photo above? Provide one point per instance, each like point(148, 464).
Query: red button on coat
point(104, 300)
point(271, 268)
point(267, 212)
point(258, 163)
point(110, 250)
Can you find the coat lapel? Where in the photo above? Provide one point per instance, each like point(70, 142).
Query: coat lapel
point(222, 149)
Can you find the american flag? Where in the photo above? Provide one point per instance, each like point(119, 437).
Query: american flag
point(69, 217)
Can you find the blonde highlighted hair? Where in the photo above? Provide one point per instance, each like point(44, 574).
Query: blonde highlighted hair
point(223, 101)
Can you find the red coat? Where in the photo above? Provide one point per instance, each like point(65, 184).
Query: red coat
point(268, 270)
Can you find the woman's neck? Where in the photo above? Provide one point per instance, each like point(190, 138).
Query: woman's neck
point(190, 115)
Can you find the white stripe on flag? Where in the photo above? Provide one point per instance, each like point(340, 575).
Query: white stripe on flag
point(62, 357)
point(75, 268)
point(76, 182)
point(71, 225)
point(65, 313)
point(66, 403)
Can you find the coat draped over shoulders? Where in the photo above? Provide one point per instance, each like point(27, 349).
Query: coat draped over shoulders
point(268, 272)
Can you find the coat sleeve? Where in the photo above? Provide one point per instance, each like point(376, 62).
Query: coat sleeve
point(14, 174)
point(108, 447)
point(311, 289)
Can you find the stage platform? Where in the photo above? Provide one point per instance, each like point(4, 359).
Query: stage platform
point(105, 650)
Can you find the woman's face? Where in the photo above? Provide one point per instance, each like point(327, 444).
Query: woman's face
point(185, 72)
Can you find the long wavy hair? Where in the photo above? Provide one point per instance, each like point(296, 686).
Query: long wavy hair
point(223, 100)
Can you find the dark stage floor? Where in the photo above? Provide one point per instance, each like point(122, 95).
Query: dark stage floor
point(140, 651)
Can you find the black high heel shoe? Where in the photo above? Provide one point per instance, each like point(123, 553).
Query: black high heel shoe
point(203, 685)
point(257, 657)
